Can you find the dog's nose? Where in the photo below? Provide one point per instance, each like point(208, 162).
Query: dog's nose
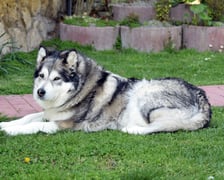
point(41, 92)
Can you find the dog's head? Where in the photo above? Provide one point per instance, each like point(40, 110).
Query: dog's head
point(58, 76)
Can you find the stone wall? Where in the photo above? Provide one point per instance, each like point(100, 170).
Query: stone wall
point(28, 22)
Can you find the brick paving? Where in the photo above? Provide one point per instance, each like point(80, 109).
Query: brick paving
point(215, 94)
point(20, 105)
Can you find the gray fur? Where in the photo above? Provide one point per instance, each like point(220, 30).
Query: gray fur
point(81, 95)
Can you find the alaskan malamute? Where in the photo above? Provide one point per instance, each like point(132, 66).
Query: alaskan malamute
point(76, 93)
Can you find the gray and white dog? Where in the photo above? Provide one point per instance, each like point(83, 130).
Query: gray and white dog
point(76, 93)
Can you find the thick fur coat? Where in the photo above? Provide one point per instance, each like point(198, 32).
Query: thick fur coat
point(76, 93)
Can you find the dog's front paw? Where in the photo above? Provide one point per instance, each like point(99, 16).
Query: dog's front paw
point(11, 130)
point(4, 125)
point(133, 130)
point(130, 130)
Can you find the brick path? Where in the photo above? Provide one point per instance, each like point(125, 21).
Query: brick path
point(20, 105)
point(215, 94)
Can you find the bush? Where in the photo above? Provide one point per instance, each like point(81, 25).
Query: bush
point(217, 9)
point(11, 56)
point(163, 10)
point(201, 15)
point(132, 20)
point(89, 21)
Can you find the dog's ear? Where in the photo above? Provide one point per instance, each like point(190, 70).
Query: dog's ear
point(41, 54)
point(70, 58)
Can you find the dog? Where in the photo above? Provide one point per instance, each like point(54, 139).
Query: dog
point(78, 94)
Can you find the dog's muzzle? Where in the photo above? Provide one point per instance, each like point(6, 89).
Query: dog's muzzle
point(41, 92)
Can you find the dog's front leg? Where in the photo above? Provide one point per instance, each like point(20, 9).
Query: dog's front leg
point(32, 128)
point(36, 117)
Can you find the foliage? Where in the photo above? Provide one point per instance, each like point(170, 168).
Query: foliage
point(132, 20)
point(118, 44)
point(169, 46)
point(89, 21)
point(216, 9)
point(12, 56)
point(4, 45)
point(162, 8)
point(175, 2)
point(201, 15)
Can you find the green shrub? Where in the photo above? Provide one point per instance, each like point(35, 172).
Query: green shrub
point(132, 21)
point(11, 56)
point(201, 15)
point(162, 8)
point(89, 21)
point(217, 9)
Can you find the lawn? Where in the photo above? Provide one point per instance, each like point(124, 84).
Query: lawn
point(112, 154)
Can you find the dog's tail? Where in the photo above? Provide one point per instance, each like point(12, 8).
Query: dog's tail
point(204, 107)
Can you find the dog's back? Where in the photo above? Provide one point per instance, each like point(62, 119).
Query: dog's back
point(168, 104)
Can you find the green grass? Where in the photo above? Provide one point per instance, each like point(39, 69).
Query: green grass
point(198, 68)
point(115, 155)
point(85, 21)
point(112, 154)
point(88, 21)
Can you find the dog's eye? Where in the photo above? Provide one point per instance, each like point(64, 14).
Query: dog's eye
point(56, 78)
point(41, 76)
